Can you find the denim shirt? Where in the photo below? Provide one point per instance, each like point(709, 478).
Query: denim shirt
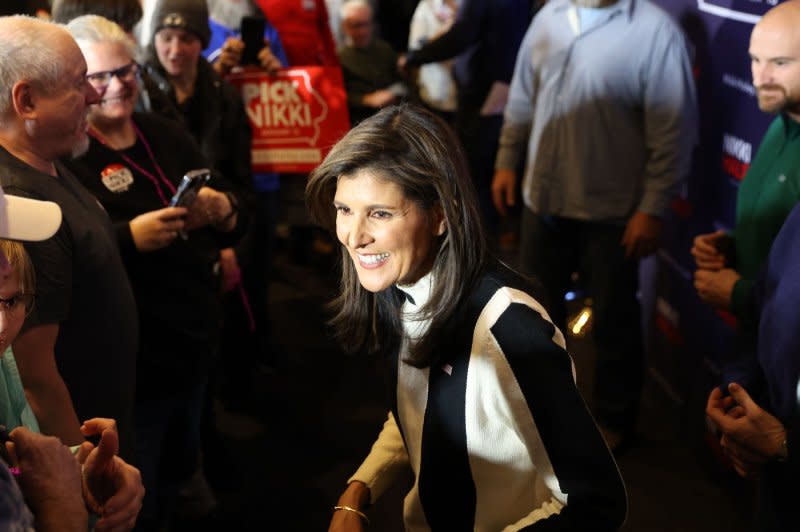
point(608, 112)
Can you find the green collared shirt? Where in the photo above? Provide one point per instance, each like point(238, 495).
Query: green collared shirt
point(767, 194)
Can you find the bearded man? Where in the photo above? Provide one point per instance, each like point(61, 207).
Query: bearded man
point(77, 352)
point(728, 263)
point(757, 409)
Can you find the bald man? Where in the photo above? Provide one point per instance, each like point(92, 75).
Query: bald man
point(756, 410)
point(728, 263)
point(77, 352)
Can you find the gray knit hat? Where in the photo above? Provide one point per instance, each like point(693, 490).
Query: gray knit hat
point(189, 15)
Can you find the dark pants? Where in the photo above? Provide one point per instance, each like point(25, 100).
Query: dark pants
point(551, 250)
point(258, 275)
point(167, 448)
point(776, 498)
point(479, 136)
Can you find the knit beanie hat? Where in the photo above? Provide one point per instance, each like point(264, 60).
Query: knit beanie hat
point(189, 15)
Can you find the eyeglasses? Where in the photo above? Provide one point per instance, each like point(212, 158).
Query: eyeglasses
point(14, 303)
point(101, 80)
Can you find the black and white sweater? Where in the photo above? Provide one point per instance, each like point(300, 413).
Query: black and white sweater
point(498, 436)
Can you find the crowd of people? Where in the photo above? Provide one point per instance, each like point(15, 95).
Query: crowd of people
point(580, 116)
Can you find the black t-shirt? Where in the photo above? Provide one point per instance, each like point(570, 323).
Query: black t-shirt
point(81, 284)
point(177, 287)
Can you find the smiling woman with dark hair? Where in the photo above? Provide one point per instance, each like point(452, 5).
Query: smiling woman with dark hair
point(484, 407)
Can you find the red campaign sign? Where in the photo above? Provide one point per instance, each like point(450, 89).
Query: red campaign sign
point(297, 115)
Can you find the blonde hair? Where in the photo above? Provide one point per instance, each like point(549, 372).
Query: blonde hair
point(21, 263)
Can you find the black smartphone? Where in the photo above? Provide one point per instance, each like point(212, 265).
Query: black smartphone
point(252, 31)
point(190, 185)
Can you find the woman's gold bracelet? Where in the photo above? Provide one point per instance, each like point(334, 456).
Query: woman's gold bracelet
point(359, 513)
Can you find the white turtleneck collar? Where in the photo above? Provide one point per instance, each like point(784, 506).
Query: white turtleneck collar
point(418, 293)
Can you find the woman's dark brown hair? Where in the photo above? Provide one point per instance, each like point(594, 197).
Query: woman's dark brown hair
point(414, 149)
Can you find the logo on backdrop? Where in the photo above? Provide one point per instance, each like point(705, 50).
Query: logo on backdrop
point(736, 156)
point(739, 84)
point(749, 11)
point(668, 321)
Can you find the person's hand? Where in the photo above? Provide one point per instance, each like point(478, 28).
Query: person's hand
point(504, 189)
point(267, 59)
point(378, 99)
point(112, 488)
point(210, 208)
point(157, 229)
point(50, 479)
point(230, 56)
point(751, 436)
point(231, 273)
point(93, 427)
point(716, 287)
point(705, 252)
point(642, 235)
point(96, 426)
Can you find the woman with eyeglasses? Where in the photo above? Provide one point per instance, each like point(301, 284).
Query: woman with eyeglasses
point(133, 167)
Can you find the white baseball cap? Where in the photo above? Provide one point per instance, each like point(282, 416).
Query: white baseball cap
point(28, 219)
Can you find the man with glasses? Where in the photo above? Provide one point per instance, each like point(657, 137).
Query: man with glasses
point(77, 353)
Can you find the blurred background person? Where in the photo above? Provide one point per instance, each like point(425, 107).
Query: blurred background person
point(369, 64)
point(604, 154)
point(213, 112)
point(303, 26)
point(225, 46)
point(247, 342)
point(483, 41)
point(304, 29)
point(435, 83)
